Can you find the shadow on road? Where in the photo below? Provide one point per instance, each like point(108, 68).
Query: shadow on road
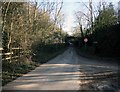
point(69, 71)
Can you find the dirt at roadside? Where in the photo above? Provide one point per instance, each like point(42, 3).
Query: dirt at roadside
point(101, 83)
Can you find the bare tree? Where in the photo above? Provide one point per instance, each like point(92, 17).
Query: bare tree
point(79, 17)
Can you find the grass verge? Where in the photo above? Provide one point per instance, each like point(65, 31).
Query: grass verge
point(10, 71)
point(13, 70)
point(89, 53)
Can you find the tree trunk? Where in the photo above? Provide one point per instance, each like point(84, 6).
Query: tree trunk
point(82, 34)
point(4, 33)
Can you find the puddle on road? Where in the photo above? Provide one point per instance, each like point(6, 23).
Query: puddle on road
point(98, 80)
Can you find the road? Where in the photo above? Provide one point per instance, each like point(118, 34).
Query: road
point(68, 71)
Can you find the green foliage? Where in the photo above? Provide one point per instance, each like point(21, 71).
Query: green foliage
point(106, 17)
point(24, 24)
point(106, 33)
point(11, 71)
point(43, 53)
point(108, 41)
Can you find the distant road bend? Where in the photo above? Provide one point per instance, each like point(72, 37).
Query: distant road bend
point(67, 71)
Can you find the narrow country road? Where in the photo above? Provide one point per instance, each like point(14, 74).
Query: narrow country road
point(68, 71)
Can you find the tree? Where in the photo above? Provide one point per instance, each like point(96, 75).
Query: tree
point(106, 16)
point(26, 23)
point(79, 17)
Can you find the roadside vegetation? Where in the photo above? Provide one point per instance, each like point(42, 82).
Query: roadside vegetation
point(13, 70)
point(102, 33)
point(31, 35)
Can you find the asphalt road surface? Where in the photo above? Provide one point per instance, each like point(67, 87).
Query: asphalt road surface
point(69, 71)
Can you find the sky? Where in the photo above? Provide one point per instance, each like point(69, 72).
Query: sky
point(69, 8)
